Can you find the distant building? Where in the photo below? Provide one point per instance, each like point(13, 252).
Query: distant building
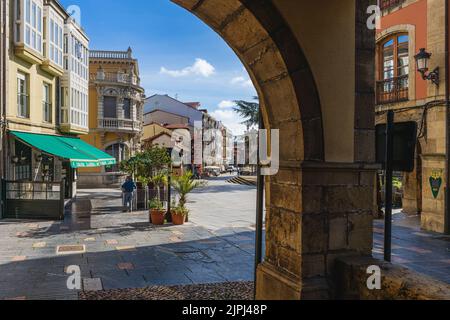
point(171, 106)
point(116, 101)
point(165, 118)
point(215, 142)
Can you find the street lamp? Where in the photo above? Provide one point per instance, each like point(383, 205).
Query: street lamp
point(422, 61)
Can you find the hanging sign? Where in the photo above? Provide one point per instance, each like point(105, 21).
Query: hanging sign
point(436, 182)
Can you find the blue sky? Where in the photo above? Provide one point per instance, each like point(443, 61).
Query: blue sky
point(178, 54)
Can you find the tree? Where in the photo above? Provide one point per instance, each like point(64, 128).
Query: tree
point(158, 180)
point(184, 185)
point(249, 111)
point(145, 165)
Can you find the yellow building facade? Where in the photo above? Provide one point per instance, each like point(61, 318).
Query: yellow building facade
point(116, 102)
point(44, 47)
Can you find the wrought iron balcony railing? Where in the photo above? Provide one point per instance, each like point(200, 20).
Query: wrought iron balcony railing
point(387, 4)
point(392, 90)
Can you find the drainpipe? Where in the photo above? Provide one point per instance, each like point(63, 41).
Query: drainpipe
point(447, 126)
point(4, 28)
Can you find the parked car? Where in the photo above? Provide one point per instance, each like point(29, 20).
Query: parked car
point(212, 171)
point(231, 169)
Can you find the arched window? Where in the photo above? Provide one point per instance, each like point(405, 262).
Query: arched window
point(119, 151)
point(394, 69)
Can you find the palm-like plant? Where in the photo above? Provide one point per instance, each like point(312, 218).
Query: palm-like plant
point(159, 179)
point(249, 111)
point(184, 185)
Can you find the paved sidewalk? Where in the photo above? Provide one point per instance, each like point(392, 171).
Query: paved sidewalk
point(122, 251)
point(424, 252)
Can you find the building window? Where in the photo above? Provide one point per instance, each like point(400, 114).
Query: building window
point(127, 108)
point(22, 168)
point(23, 109)
point(110, 107)
point(47, 103)
point(55, 36)
point(33, 25)
point(394, 69)
point(120, 152)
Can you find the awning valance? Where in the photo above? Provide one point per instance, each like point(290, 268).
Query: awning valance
point(79, 153)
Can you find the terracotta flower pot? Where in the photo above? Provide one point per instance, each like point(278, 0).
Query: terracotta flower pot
point(157, 217)
point(178, 219)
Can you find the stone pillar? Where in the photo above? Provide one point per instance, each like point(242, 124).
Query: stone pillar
point(317, 212)
point(411, 190)
point(99, 104)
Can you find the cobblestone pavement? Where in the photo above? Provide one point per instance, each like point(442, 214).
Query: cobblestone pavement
point(124, 251)
point(424, 252)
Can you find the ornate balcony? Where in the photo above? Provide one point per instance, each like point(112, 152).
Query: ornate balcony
point(110, 124)
point(392, 90)
point(111, 77)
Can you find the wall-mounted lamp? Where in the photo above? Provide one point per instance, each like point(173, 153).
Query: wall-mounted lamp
point(15, 159)
point(422, 61)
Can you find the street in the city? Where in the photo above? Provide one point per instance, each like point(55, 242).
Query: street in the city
point(122, 250)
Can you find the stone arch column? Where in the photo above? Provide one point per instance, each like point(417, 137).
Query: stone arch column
point(316, 211)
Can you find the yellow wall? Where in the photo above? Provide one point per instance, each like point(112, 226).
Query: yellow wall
point(36, 78)
point(332, 60)
point(152, 130)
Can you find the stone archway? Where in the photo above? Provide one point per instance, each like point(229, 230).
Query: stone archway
point(317, 211)
point(277, 65)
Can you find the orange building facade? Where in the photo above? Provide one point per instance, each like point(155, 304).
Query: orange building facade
point(406, 27)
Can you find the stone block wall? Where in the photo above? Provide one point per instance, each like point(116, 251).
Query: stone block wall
point(397, 283)
point(321, 212)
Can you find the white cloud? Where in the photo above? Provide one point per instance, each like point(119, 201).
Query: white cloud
point(226, 104)
point(201, 67)
point(231, 120)
point(242, 81)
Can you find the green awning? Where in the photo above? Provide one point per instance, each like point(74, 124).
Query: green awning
point(79, 153)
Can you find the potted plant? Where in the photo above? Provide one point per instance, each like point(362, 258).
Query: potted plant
point(184, 185)
point(179, 214)
point(157, 212)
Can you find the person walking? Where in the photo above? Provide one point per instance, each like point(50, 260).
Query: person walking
point(128, 189)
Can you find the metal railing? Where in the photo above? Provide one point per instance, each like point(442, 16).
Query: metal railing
point(392, 90)
point(119, 124)
point(98, 54)
point(142, 195)
point(387, 4)
point(33, 200)
point(16, 190)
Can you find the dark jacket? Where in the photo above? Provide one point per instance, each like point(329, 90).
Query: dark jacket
point(129, 186)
